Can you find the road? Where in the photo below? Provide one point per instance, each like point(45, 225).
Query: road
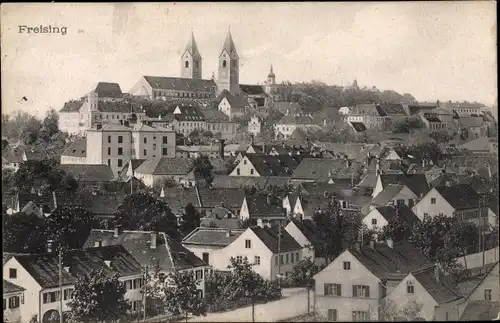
point(293, 303)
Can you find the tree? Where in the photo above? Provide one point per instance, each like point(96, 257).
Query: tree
point(389, 312)
point(466, 235)
point(299, 272)
point(24, 233)
point(397, 230)
point(51, 123)
point(163, 183)
point(407, 125)
point(31, 130)
point(190, 219)
point(98, 298)
point(182, 296)
point(69, 226)
point(203, 168)
point(143, 211)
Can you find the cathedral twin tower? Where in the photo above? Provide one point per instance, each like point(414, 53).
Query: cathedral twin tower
point(228, 70)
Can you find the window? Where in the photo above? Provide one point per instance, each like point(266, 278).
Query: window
point(145, 152)
point(186, 64)
point(239, 259)
point(109, 162)
point(292, 255)
point(360, 291)
point(165, 140)
point(109, 139)
point(251, 171)
point(360, 316)
point(129, 285)
point(257, 260)
point(237, 171)
point(332, 315)
point(433, 200)
point(410, 287)
point(120, 139)
point(487, 294)
point(374, 221)
point(120, 163)
point(224, 63)
point(120, 152)
point(199, 274)
point(276, 261)
point(50, 297)
point(244, 161)
point(109, 151)
point(281, 259)
point(400, 202)
point(14, 302)
point(286, 258)
point(12, 273)
point(206, 257)
point(145, 140)
point(333, 289)
point(347, 265)
point(68, 294)
point(248, 244)
point(154, 146)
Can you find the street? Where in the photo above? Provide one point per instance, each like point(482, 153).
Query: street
point(294, 302)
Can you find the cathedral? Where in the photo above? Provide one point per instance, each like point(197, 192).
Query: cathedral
point(191, 83)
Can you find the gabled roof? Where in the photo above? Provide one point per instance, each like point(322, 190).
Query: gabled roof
point(477, 275)
point(108, 90)
point(388, 193)
point(118, 106)
point(460, 197)
point(106, 204)
point(212, 236)
point(385, 262)
point(417, 183)
point(403, 212)
point(237, 102)
point(442, 290)
point(481, 311)
point(322, 169)
point(166, 166)
point(230, 198)
point(77, 148)
point(9, 287)
point(269, 236)
point(180, 84)
point(308, 228)
point(72, 106)
point(88, 172)
point(258, 207)
point(178, 197)
point(365, 108)
point(169, 255)
point(358, 126)
point(390, 109)
point(320, 188)
point(267, 165)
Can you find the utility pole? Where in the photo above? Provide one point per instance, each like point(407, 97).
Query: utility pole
point(145, 291)
point(279, 253)
point(60, 286)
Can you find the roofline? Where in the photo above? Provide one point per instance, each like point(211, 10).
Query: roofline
point(485, 276)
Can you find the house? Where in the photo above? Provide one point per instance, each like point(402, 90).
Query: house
point(11, 159)
point(181, 170)
point(427, 168)
point(179, 197)
point(226, 181)
point(417, 183)
point(380, 216)
point(37, 203)
point(76, 153)
point(472, 127)
point(229, 198)
point(287, 108)
point(287, 125)
point(38, 275)
point(154, 250)
point(104, 205)
point(351, 287)
point(366, 115)
point(305, 232)
point(232, 105)
point(254, 125)
point(260, 245)
point(460, 201)
point(128, 170)
point(481, 311)
point(89, 175)
point(482, 145)
point(429, 287)
point(393, 111)
point(392, 194)
point(437, 119)
point(220, 217)
point(261, 207)
point(265, 165)
point(13, 299)
point(326, 169)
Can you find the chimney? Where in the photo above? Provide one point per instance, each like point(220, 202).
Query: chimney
point(260, 223)
point(55, 199)
point(436, 272)
point(324, 122)
point(228, 233)
point(49, 245)
point(221, 149)
point(389, 243)
point(372, 244)
point(117, 232)
point(153, 240)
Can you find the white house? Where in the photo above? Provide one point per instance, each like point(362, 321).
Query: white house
point(261, 207)
point(417, 183)
point(254, 126)
point(37, 274)
point(431, 289)
point(13, 299)
point(351, 287)
point(305, 232)
point(392, 194)
point(76, 153)
point(181, 170)
point(380, 216)
point(258, 244)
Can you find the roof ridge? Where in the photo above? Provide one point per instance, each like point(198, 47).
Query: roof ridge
point(169, 251)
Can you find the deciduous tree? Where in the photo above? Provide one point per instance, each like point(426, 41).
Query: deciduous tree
point(190, 219)
point(182, 296)
point(299, 272)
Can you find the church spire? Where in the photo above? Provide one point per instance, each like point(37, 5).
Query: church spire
point(229, 43)
point(192, 47)
point(271, 73)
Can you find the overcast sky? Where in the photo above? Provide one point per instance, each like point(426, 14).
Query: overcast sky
point(433, 50)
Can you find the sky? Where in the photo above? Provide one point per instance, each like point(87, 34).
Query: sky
point(433, 50)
